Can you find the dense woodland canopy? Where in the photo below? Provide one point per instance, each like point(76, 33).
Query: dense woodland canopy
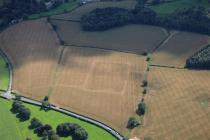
point(194, 19)
point(200, 60)
point(18, 9)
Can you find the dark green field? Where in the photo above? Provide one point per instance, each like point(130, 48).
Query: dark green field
point(168, 8)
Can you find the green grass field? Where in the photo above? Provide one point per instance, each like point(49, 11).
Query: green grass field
point(12, 129)
point(59, 10)
point(4, 75)
point(167, 8)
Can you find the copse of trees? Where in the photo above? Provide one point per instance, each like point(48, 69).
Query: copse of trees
point(70, 129)
point(194, 19)
point(141, 108)
point(200, 60)
point(44, 131)
point(106, 18)
point(22, 112)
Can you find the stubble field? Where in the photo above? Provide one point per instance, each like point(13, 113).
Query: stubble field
point(178, 105)
point(104, 85)
point(33, 49)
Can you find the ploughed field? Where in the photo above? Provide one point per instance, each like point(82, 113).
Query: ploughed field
point(178, 105)
point(178, 48)
point(131, 38)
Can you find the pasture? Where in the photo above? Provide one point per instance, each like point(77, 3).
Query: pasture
point(131, 38)
point(4, 74)
point(179, 47)
point(178, 105)
point(33, 50)
point(13, 129)
point(65, 7)
point(168, 8)
point(77, 13)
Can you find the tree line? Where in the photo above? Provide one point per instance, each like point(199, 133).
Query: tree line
point(45, 131)
point(193, 19)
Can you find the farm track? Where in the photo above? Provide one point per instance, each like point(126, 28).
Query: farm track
point(168, 37)
point(56, 73)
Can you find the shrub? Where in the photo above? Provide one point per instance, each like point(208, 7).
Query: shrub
point(145, 90)
point(16, 106)
point(132, 123)
point(144, 83)
point(148, 58)
point(46, 98)
point(35, 123)
point(52, 135)
point(80, 134)
point(141, 108)
point(43, 130)
point(24, 114)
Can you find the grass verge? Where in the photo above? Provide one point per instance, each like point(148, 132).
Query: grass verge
point(4, 75)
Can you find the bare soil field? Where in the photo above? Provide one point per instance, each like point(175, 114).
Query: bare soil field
point(104, 85)
point(131, 38)
point(178, 48)
point(178, 105)
point(77, 13)
point(33, 49)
